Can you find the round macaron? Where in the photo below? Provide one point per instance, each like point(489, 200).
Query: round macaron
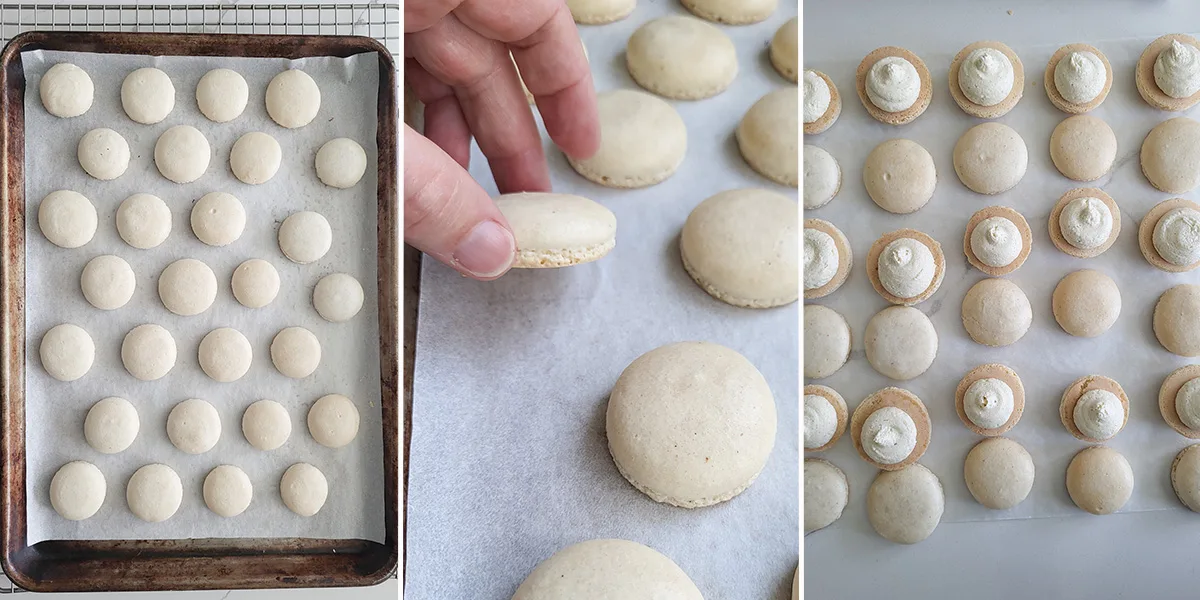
point(557, 230)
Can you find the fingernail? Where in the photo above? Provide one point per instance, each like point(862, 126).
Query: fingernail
point(486, 251)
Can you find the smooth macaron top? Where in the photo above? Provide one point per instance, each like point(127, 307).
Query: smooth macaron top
point(742, 246)
point(564, 228)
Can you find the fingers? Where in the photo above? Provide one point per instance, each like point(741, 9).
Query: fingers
point(546, 46)
point(445, 124)
point(420, 14)
point(448, 216)
point(485, 82)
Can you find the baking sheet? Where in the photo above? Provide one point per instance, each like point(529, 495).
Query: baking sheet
point(509, 460)
point(1046, 358)
point(55, 411)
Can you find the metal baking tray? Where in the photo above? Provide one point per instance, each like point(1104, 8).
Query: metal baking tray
point(185, 564)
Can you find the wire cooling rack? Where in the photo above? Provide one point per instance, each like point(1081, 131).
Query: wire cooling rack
point(380, 20)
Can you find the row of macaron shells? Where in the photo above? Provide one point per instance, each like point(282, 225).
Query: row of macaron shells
point(148, 97)
point(986, 80)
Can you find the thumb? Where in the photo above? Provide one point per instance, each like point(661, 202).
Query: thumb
point(448, 215)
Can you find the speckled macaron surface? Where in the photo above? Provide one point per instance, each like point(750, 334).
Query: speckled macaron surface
point(643, 141)
point(1171, 155)
point(557, 230)
point(905, 506)
point(769, 136)
point(990, 158)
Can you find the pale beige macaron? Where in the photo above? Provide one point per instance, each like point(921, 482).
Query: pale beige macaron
point(892, 397)
point(827, 119)
point(557, 230)
point(1171, 155)
point(600, 12)
point(875, 255)
point(1083, 148)
point(769, 136)
point(990, 158)
point(822, 177)
point(899, 175)
point(1143, 76)
point(1075, 391)
point(1055, 222)
point(812, 255)
point(996, 312)
point(731, 12)
point(1177, 320)
point(642, 141)
point(995, 238)
point(990, 371)
point(999, 473)
point(681, 57)
point(1185, 477)
point(924, 96)
point(1056, 96)
point(839, 409)
point(741, 246)
point(1168, 399)
point(1099, 480)
point(1086, 303)
point(905, 506)
point(685, 440)
point(606, 568)
point(1002, 107)
point(826, 494)
point(827, 341)
point(900, 342)
point(784, 51)
point(1146, 234)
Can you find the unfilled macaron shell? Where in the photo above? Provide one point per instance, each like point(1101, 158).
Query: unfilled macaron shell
point(1099, 480)
point(990, 158)
point(600, 12)
point(822, 177)
point(77, 490)
point(68, 219)
point(557, 230)
point(1185, 477)
point(681, 57)
point(627, 570)
point(785, 50)
point(905, 506)
point(901, 342)
point(827, 341)
point(689, 441)
point(900, 176)
point(731, 12)
point(741, 246)
point(643, 141)
point(996, 312)
point(1086, 303)
point(999, 473)
point(769, 136)
point(1083, 148)
point(1171, 155)
point(826, 494)
point(1177, 320)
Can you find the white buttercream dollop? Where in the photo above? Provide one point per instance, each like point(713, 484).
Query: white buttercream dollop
point(1079, 77)
point(1086, 223)
point(996, 242)
point(889, 435)
point(1177, 236)
point(1177, 70)
point(820, 421)
point(906, 268)
point(986, 76)
point(816, 96)
point(1187, 403)
point(1099, 414)
point(989, 403)
point(820, 258)
point(893, 84)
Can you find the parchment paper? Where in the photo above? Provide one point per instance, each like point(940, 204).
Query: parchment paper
point(509, 459)
point(1046, 358)
point(55, 411)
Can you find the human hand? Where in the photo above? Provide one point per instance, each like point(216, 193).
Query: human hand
point(457, 63)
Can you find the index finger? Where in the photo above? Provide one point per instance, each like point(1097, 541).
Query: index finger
point(549, 53)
